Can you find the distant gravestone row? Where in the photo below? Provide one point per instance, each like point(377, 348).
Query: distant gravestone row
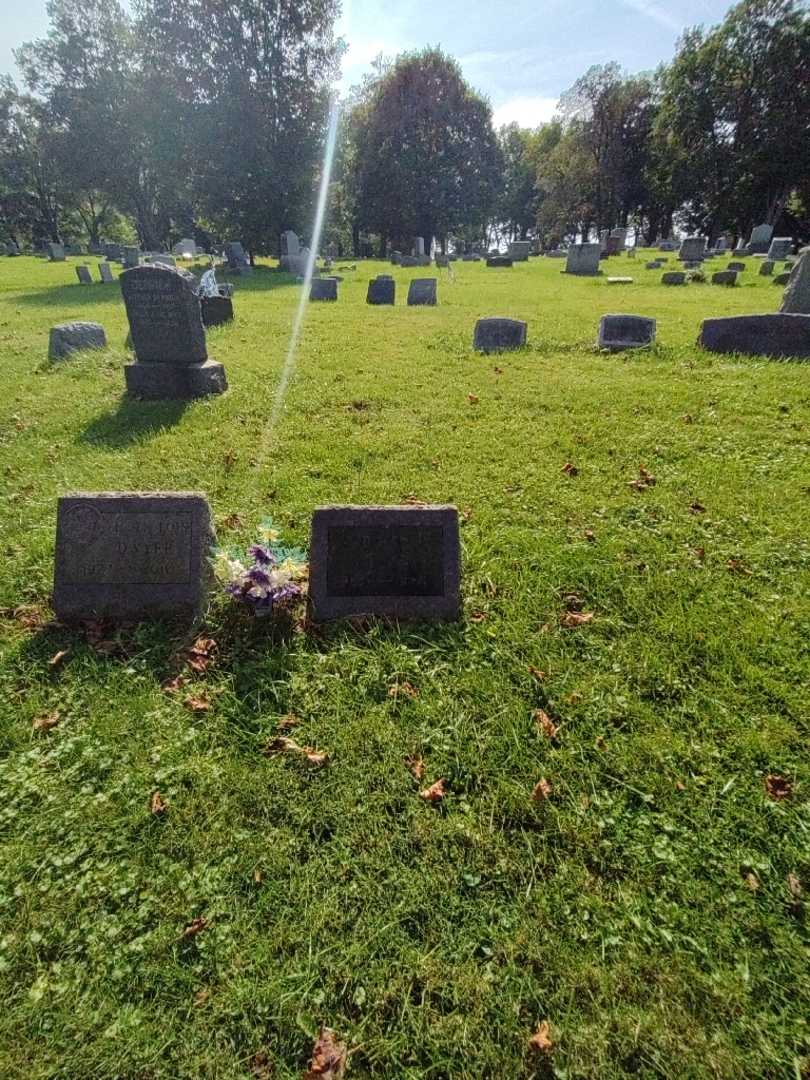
point(137, 555)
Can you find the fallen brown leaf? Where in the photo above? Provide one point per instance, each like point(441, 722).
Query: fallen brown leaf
point(197, 703)
point(498, 370)
point(413, 500)
point(46, 722)
point(537, 673)
point(794, 886)
point(196, 926)
point(541, 1041)
point(201, 654)
point(201, 996)
point(328, 1057)
point(287, 722)
point(233, 521)
point(590, 536)
point(569, 469)
point(57, 658)
point(466, 513)
point(405, 689)
point(571, 619)
point(688, 418)
point(416, 767)
point(258, 876)
point(541, 790)
point(697, 508)
point(478, 616)
point(545, 723)
point(737, 566)
point(680, 785)
point(171, 686)
point(282, 745)
point(157, 805)
point(435, 793)
point(751, 881)
point(778, 787)
point(472, 398)
point(260, 1065)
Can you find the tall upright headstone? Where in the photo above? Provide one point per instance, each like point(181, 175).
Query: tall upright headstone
point(185, 248)
point(781, 247)
point(583, 259)
point(519, 250)
point(132, 256)
point(238, 262)
point(693, 249)
point(796, 300)
point(83, 274)
point(419, 246)
point(165, 322)
point(105, 273)
point(760, 239)
point(56, 252)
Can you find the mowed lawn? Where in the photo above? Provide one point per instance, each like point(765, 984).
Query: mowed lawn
point(651, 909)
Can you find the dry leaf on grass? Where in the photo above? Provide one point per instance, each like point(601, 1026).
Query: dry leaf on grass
point(196, 926)
point(570, 469)
point(473, 399)
point(751, 881)
point(697, 508)
point(644, 480)
point(57, 658)
point(794, 886)
point(545, 723)
point(590, 536)
point(46, 722)
point(537, 673)
point(171, 686)
point(404, 689)
point(202, 996)
point(233, 521)
point(435, 793)
point(260, 1065)
point(287, 722)
point(541, 1041)
point(197, 703)
point(541, 790)
point(778, 787)
point(571, 619)
point(201, 654)
point(328, 1057)
point(416, 766)
point(157, 804)
point(478, 616)
point(290, 746)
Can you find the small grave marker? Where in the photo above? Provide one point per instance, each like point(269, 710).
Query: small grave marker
point(422, 292)
point(499, 335)
point(83, 274)
point(618, 332)
point(71, 337)
point(323, 289)
point(381, 290)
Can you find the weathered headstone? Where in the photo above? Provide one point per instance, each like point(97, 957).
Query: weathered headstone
point(113, 252)
point(519, 250)
point(668, 245)
point(165, 322)
point(422, 292)
point(654, 264)
point(499, 335)
point(162, 259)
point(442, 261)
point(583, 259)
point(105, 273)
point(725, 277)
point(766, 267)
point(408, 261)
point(399, 562)
point(419, 246)
point(396, 258)
point(132, 257)
point(131, 555)
point(603, 240)
point(782, 279)
point(779, 334)
point(216, 310)
point(673, 277)
point(760, 239)
point(185, 248)
point(781, 247)
point(71, 337)
point(738, 266)
point(56, 252)
point(796, 300)
point(83, 274)
point(498, 261)
point(621, 235)
point(323, 289)
point(618, 332)
point(381, 290)
point(12, 248)
point(615, 245)
point(693, 249)
point(238, 262)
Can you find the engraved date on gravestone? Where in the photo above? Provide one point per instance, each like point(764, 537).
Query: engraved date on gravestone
point(380, 560)
point(128, 548)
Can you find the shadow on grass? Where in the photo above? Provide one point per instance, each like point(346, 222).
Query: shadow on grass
point(71, 296)
point(131, 422)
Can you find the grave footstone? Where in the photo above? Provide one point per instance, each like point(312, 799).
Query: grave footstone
point(83, 274)
point(654, 264)
point(164, 260)
point(498, 261)
point(56, 252)
point(396, 258)
point(781, 247)
point(738, 266)
point(105, 273)
point(499, 335)
point(422, 292)
point(323, 289)
point(777, 335)
point(381, 290)
point(165, 322)
point(216, 310)
point(620, 281)
point(796, 300)
point(673, 277)
point(618, 332)
point(724, 277)
point(759, 241)
point(766, 267)
point(71, 337)
point(399, 562)
point(583, 259)
point(782, 279)
point(131, 555)
point(668, 245)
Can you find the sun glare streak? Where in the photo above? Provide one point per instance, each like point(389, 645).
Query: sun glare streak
point(303, 300)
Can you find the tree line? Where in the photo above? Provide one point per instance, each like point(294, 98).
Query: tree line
point(206, 118)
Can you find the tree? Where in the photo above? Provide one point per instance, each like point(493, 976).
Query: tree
point(517, 201)
point(427, 160)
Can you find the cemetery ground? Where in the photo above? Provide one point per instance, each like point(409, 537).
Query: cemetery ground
point(620, 719)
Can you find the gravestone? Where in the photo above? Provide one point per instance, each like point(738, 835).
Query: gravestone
point(132, 257)
point(408, 261)
point(216, 310)
point(721, 245)
point(782, 279)
point(654, 264)
point(603, 240)
point(693, 264)
point(95, 247)
point(618, 332)
point(165, 322)
point(113, 252)
point(778, 335)
point(74, 249)
point(766, 267)
point(743, 249)
point(583, 259)
point(693, 249)
point(442, 261)
point(381, 290)
point(164, 260)
point(396, 258)
point(419, 246)
point(105, 273)
point(71, 337)
point(185, 248)
point(83, 274)
point(760, 239)
point(620, 234)
point(323, 289)
point(470, 256)
point(498, 261)
point(131, 555)
point(668, 245)
point(781, 247)
point(620, 281)
point(499, 335)
point(615, 245)
point(673, 277)
point(238, 262)
point(56, 253)
point(12, 248)
point(519, 250)
point(738, 266)
point(423, 260)
point(724, 277)
point(796, 300)
point(399, 562)
point(422, 292)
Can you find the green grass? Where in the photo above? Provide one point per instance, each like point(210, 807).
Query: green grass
point(645, 909)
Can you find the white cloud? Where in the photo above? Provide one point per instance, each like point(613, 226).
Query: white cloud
point(529, 112)
point(654, 11)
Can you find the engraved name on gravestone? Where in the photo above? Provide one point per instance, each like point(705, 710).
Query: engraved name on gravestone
point(164, 315)
point(395, 561)
point(131, 555)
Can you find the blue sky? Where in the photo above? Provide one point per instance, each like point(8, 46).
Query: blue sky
point(521, 53)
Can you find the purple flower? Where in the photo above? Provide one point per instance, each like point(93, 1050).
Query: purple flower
point(263, 556)
point(259, 577)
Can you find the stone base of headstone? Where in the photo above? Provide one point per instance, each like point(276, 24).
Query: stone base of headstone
point(216, 310)
point(68, 338)
point(620, 281)
point(618, 332)
point(777, 335)
point(177, 382)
